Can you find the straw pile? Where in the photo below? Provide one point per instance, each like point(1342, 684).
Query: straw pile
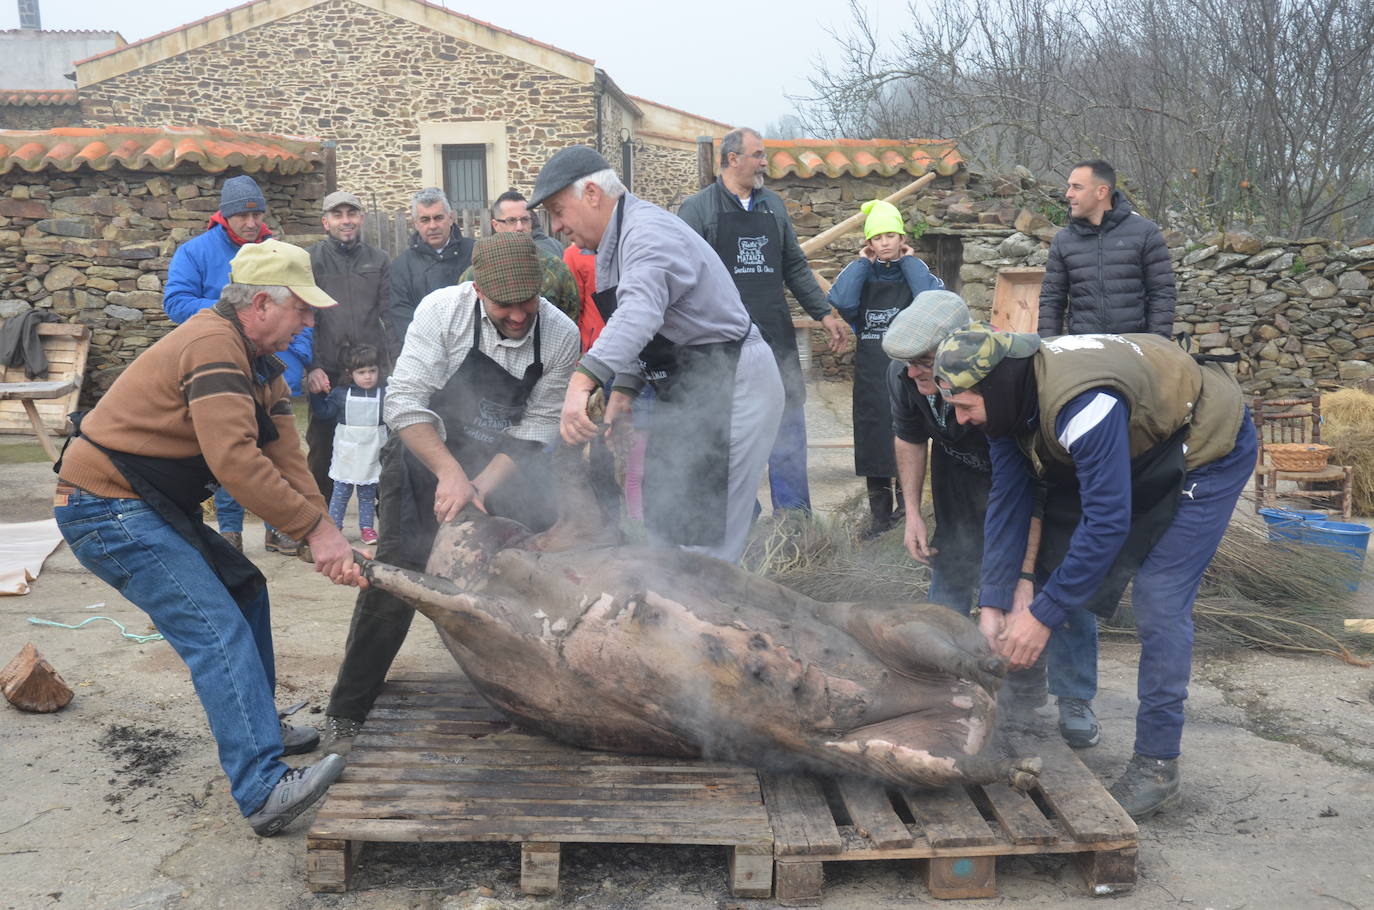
point(1348, 427)
point(1257, 593)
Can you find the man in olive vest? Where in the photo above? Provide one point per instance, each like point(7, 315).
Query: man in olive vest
point(1144, 453)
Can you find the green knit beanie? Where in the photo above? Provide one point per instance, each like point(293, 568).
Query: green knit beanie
point(883, 218)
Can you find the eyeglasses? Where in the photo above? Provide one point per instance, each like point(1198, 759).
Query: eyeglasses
point(923, 363)
point(515, 222)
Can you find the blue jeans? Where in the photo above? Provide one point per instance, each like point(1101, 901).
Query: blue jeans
point(1166, 586)
point(228, 650)
point(228, 512)
point(787, 484)
point(1071, 657)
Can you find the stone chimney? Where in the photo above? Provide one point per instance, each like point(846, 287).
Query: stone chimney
point(28, 15)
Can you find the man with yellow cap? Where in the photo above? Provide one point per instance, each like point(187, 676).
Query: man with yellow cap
point(869, 293)
point(206, 407)
point(1144, 452)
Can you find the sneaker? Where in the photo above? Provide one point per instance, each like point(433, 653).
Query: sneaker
point(369, 536)
point(297, 790)
point(276, 542)
point(1147, 786)
point(235, 539)
point(298, 740)
point(339, 733)
point(1078, 723)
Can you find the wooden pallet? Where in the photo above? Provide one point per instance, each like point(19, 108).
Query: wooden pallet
point(435, 762)
point(959, 832)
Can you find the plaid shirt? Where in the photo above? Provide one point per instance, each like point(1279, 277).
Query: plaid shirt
point(439, 339)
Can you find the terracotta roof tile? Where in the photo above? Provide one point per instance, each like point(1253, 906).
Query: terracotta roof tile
point(156, 148)
point(860, 157)
point(36, 97)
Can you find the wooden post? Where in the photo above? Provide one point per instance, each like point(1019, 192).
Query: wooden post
point(751, 870)
point(539, 867)
point(706, 161)
point(823, 239)
point(331, 166)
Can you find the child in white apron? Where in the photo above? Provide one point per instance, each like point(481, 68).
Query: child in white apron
point(358, 439)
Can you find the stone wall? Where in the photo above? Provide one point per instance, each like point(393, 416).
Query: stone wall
point(1298, 312)
point(664, 174)
point(39, 116)
point(93, 247)
point(344, 71)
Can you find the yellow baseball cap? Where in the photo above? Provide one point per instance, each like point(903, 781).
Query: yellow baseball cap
point(274, 263)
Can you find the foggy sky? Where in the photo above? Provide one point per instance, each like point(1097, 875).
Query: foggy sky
point(736, 68)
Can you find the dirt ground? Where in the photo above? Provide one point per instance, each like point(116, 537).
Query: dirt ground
point(117, 801)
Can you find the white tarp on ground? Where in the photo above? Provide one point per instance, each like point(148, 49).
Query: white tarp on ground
point(23, 547)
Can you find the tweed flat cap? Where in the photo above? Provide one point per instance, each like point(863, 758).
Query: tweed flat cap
point(965, 358)
point(917, 330)
point(338, 198)
point(505, 267)
point(563, 168)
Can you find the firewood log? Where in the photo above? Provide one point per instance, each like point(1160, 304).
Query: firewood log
point(31, 684)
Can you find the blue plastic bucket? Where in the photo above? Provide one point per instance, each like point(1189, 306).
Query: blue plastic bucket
point(1286, 524)
point(1351, 539)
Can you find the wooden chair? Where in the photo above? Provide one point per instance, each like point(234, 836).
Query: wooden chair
point(42, 406)
point(1299, 420)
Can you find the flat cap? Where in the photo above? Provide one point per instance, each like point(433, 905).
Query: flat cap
point(931, 318)
point(505, 267)
point(338, 198)
point(965, 358)
point(565, 166)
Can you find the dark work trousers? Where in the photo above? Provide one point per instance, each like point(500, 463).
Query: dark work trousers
point(379, 619)
point(319, 442)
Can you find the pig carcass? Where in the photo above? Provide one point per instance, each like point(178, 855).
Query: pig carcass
point(666, 652)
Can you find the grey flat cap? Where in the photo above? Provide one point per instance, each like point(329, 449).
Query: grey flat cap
point(931, 318)
point(563, 168)
point(338, 198)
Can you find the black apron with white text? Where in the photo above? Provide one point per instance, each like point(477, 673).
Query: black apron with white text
point(477, 404)
point(750, 245)
point(879, 304)
point(687, 459)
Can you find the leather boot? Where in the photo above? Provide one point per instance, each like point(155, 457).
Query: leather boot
point(1147, 786)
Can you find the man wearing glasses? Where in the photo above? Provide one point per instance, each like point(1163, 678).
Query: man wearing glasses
point(510, 213)
point(748, 227)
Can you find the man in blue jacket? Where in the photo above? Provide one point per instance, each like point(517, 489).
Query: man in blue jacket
point(1109, 269)
point(1144, 453)
point(199, 271)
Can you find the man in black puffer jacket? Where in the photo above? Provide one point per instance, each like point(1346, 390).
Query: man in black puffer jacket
point(1109, 270)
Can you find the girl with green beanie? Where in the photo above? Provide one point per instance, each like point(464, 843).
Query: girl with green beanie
point(870, 291)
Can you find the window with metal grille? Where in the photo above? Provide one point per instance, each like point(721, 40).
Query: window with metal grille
point(465, 176)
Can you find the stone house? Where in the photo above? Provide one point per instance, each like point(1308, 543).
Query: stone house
point(411, 94)
point(89, 219)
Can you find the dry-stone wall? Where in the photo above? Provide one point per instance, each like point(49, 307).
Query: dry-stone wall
point(93, 247)
point(39, 116)
point(663, 174)
point(1298, 312)
point(363, 78)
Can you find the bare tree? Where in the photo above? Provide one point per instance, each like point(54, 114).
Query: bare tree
point(1216, 112)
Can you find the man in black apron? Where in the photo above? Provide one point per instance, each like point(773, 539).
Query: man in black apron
point(1159, 448)
point(474, 402)
point(673, 318)
point(748, 227)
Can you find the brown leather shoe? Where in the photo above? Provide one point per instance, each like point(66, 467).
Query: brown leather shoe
point(277, 542)
point(235, 539)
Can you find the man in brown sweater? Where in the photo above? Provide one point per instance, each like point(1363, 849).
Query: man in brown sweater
point(204, 407)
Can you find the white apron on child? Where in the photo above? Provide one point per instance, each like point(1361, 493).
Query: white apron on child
point(358, 440)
